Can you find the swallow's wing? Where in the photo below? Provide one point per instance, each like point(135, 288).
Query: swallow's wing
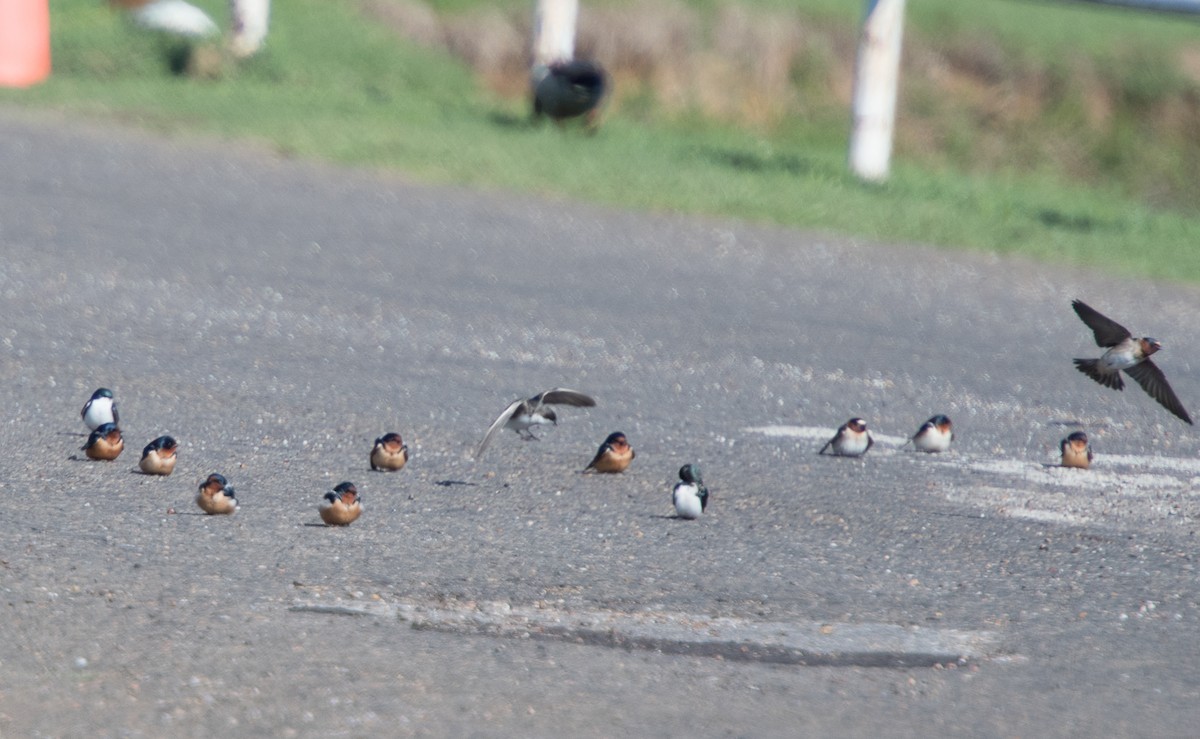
point(116, 416)
point(93, 438)
point(497, 425)
point(1154, 382)
point(1107, 331)
point(562, 396)
point(599, 455)
point(1091, 368)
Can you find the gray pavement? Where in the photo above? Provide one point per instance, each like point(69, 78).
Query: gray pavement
point(277, 316)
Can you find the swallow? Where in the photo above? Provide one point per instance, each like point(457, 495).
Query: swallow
point(689, 494)
point(172, 17)
point(1076, 451)
point(389, 453)
point(520, 415)
point(158, 458)
point(568, 89)
point(104, 443)
point(934, 435)
point(614, 454)
point(100, 409)
point(216, 496)
point(851, 440)
point(341, 506)
point(1129, 353)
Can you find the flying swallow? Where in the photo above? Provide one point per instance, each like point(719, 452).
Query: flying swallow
point(934, 435)
point(104, 443)
point(614, 454)
point(389, 453)
point(100, 409)
point(851, 440)
point(158, 458)
point(1076, 452)
point(341, 506)
point(689, 495)
point(520, 415)
point(216, 496)
point(1129, 353)
point(171, 17)
point(567, 89)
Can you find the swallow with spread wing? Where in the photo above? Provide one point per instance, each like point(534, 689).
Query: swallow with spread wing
point(521, 415)
point(1129, 353)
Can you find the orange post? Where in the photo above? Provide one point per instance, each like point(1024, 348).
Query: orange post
point(24, 42)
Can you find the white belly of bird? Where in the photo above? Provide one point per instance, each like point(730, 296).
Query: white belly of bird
point(687, 503)
point(523, 421)
point(933, 440)
point(851, 445)
point(1115, 360)
point(99, 413)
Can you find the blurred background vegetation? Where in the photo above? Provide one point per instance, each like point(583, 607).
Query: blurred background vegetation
point(1069, 132)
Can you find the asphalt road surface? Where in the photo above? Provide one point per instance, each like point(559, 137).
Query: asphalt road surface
point(277, 316)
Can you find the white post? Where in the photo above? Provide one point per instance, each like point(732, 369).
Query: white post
point(877, 75)
point(554, 31)
point(249, 19)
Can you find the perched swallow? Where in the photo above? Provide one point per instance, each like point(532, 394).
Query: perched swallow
point(851, 440)
point(520, 415)
point(568, 89)
point(1129, 353)
point(341, 506)
point(216, 496)
point(1076, 452)
point(389, 453)
point(158, 458)
point(614, 454)
point(104, 443)
point(934, 435)
point(100, 409)
point(689, 495)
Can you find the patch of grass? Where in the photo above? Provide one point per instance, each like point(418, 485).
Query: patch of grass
point(336, 86)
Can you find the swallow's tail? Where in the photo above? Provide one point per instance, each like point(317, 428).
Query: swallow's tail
point(1091, 368)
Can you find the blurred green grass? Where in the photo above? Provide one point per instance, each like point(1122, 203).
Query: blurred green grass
point(335, 86)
